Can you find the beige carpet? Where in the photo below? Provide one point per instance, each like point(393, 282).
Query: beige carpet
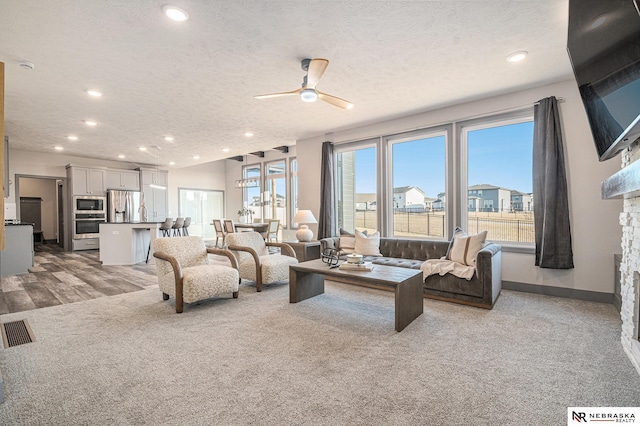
point(334, 359)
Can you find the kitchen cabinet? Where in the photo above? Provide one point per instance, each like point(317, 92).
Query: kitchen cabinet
point(123, 180)
point(155, 177)
point(87, 181)
point(156, 199)
point(17, 257)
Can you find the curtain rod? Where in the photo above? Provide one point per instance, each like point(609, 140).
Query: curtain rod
point(558, 99)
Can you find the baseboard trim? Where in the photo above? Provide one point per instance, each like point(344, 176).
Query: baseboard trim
point(569, 293)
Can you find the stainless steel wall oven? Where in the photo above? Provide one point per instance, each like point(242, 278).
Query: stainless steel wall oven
point(87, 225)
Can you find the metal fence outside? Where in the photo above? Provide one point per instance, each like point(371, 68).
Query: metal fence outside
point(515, 227)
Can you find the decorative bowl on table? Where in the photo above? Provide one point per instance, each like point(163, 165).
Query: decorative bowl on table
point(354, 258)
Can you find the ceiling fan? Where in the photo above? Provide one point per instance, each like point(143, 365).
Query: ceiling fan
point(315, 69)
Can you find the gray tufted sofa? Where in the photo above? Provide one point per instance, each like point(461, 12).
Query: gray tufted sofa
point(481, 291)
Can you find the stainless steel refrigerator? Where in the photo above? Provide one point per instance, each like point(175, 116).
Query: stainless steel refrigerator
point(123, 206)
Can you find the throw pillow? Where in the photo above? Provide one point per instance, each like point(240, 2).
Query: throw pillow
point(348, 241)
point(368, 245)
point(457, 231)
point(466, 247)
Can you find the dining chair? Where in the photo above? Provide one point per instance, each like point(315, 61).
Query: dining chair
point(272, 230)
point(217, 224)
point(228, 226)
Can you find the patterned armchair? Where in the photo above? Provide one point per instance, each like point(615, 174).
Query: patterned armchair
point(184, 271)
point(254, 261)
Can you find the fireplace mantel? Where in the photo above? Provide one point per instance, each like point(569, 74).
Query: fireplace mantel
point(623, 184)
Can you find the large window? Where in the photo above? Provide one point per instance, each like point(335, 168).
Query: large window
point(275, 192)
point(499, 179)
point(202, 206)
point(356, 188)
point(418, 192)
point(424, 183)
point(252, 196)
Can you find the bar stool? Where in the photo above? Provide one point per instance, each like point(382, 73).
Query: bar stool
point(177, 226)
point(185, 226)
point(166, 227)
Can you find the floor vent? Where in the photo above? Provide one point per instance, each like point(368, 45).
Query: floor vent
point(16, 333)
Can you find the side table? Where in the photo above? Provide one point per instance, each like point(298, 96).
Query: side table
point(305, 250)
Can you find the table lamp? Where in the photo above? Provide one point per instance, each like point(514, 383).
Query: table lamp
point(303, 217)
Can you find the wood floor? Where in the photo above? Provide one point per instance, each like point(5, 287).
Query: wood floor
point(59, 277)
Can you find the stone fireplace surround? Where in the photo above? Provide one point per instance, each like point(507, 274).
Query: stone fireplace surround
point(630, 264)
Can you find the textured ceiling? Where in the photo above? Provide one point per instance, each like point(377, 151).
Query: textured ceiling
point(195, 80)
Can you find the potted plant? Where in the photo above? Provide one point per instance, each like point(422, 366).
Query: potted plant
point(244, 214)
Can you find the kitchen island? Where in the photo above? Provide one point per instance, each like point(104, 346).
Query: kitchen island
point(127, 243)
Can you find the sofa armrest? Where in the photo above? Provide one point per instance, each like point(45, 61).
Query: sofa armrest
point(329, 243)
point(489, 271)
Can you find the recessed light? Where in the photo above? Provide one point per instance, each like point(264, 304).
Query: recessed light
point(175, 13)
point(196, 157)
point(121, 156)
point(172, 163)
point(72, 138)
point(517, 56)
point(597, 22)
point(94, 93)
point(58, 148)
point(225, 150)
point(143, 148)
point(248, 134)
point(91, 122)
point(168, 138)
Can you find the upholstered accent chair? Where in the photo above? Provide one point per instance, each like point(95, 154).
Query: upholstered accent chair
point(184, 271)
point(254, 261)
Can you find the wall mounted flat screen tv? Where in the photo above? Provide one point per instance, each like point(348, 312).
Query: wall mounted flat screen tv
point(604, 48)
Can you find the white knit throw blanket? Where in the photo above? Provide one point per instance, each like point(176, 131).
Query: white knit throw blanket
point(443, 266)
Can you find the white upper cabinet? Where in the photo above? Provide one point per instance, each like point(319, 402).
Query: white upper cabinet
point(123, 180)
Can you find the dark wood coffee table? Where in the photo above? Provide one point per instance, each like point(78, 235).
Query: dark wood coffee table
point(306, 280)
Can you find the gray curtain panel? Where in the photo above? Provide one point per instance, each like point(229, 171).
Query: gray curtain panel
point(327, 223)
point(550, 197)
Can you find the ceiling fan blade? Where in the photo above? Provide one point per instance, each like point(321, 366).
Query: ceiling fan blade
point(334, 100)
point(316, 70)
point(277, 95)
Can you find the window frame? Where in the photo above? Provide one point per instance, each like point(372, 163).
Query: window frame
point(245, 199)
point(429, 132)
point(266, 177)
point(496, 120)
point(292, 196)
point(355, 146)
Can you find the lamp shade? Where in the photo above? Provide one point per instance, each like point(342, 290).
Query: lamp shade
point(304, 216)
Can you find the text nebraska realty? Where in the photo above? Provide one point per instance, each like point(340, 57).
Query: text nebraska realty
point(611, 417)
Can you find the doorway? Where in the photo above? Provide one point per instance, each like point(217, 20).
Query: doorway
point(41, 200)
point(202, 206)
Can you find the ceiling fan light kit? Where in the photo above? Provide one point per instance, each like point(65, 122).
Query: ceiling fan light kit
point(315, 69)
point(309, 95)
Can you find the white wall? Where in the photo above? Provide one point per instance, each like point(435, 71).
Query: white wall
point(51, 165)
point(594, 222)
point(210, 176)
